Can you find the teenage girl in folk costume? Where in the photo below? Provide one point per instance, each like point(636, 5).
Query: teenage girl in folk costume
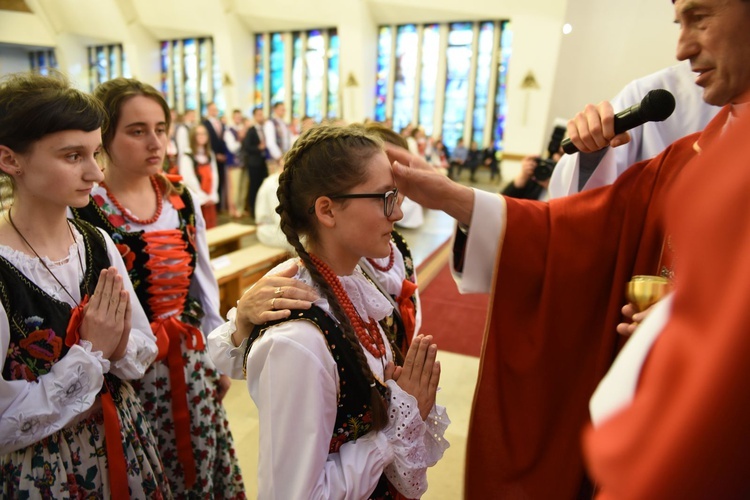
point(163, 240)
point(337, 419)
point(71, 329)
point(200, 173)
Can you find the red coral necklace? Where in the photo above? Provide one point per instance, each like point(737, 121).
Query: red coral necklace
point(368, 333)
point(387, 267)
point(132, 218)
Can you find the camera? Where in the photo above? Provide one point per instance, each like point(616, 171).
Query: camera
point(544, 167)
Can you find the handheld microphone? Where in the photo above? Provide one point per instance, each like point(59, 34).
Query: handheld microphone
point(656, 106)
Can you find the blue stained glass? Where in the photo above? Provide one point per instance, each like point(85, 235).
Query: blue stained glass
point(482, 85)
point(458, 60)
point(277, 59)
point(218, 83)
point(385, 42)
point(297, 75)
point(428, 79)
point(177, 75)
point(165, 74)
point(102, 65)
point(334, 110)
point(315, 63)
point(259, 70)
point(501, 97)
point(407, 44)
point(191, 82)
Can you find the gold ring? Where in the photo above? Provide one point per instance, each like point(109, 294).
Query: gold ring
point(273, 303)
point(279, 291)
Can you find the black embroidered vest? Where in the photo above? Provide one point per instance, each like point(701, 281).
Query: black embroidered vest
point(353, 415)
point(38, 322)
point(133, 242)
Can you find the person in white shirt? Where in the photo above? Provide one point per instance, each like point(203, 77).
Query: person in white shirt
point(72, 332)
point(592, 169)
point(277, 135)
point(347, 422)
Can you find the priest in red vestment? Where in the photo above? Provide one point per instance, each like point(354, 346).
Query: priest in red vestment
point(685, 433)
point(558, 271)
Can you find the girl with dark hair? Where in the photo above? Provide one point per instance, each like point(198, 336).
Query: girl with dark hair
point(71, 329)
point(338, 419)
point(199, 170)
point(162, 238)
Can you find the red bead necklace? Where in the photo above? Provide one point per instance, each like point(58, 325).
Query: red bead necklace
point(385, 268)
point(367, 333)
point(132, 218)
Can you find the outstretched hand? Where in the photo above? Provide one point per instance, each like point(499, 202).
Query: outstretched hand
point(629, 311)
point(106, 317)
point(594, 128)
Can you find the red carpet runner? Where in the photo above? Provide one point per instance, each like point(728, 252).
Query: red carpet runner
point(455, 321)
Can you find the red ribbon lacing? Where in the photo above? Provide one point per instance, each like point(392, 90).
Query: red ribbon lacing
point(169, 281)
point(116, 467)
point(408, 312)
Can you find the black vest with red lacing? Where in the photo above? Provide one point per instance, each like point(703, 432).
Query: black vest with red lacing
point(134, 242)
point(38, 321)
point(353, 415)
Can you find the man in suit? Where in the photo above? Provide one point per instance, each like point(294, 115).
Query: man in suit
point(277, 134)
point(254, 152)
point(216, 137)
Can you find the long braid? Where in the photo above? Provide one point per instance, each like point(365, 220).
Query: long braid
point(293, 210)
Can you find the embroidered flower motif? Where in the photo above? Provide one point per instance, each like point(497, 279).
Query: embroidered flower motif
point(116, 220)
point(69, 390)
point(33, 322)
point(43, 344)
point(127, 255)
point(19, 371)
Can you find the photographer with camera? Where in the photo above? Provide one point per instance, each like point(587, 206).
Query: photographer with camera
point(532, 180)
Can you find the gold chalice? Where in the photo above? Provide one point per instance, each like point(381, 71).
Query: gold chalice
point(644, 291)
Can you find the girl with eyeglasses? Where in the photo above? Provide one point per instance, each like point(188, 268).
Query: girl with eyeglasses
point(72, 332)
point(342, 413)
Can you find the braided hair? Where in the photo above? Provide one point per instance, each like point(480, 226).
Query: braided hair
point(327, 160)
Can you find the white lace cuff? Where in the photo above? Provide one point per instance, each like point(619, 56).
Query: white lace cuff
point(99, 355)
point(434, 436)
point(405, 432)
point(140, 352)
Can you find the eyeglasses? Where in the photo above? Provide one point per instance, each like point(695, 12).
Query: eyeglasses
point(390, 198)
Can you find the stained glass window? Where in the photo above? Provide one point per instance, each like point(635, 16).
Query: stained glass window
point(190, 77)
point(429, 76)
point(501, 96)
point(406, 72)
point(42, 61)
point(277, 60)
point(260, 69)
point(458, 61)
point(482, 84)
point(334, 110)
point(385, 43)
point(315, 62)
point(105, 63)
point(298, 74)
point(190, 64)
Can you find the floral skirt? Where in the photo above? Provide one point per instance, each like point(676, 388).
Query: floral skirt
point(72, 462)
point(217, 468)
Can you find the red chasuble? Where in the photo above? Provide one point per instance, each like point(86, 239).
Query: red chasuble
point(559, 287)
point(686, 433)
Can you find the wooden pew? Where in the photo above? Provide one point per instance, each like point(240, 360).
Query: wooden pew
point(226, 237)
point(237, 271)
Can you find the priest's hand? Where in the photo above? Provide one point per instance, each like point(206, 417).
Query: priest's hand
point(427, 186)
point(593, 128)
point(629, 311)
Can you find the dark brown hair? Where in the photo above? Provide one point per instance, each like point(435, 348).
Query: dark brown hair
point(33, 106)
point(327, 160)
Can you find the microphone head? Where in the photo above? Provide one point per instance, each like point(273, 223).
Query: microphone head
point(657, 105)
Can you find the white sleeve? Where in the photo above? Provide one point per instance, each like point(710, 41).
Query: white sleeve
point(226, 356)
point(269, 131)
point(233, 145)
point(30, 411)
point(189, 179)
point(293, 380)
point(182, 139)
point(483, 245)
point(141, 349)
point(204, 279)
